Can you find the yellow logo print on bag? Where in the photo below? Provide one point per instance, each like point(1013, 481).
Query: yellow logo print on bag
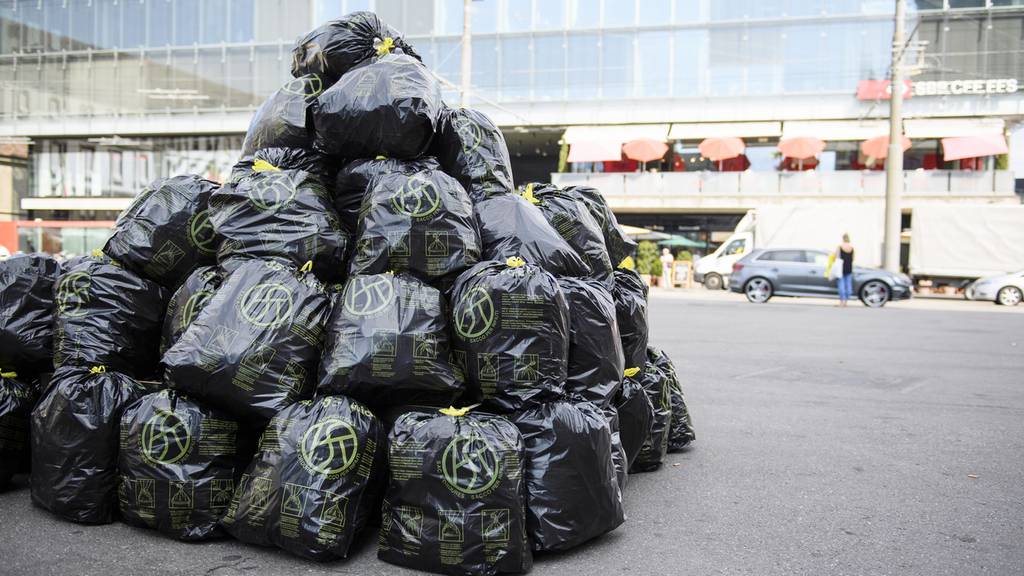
point(329, 447)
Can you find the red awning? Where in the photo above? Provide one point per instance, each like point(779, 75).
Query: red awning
point(595, 151)
point(973, 147)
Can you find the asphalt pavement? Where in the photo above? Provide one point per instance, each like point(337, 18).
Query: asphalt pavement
point(830, 441)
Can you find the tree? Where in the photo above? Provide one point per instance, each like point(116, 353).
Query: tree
point(647, 260)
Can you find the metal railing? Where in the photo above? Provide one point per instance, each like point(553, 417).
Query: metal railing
point(793, 184)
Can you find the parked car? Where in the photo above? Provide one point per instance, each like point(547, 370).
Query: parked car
point(767, 272)
point(1005, 289)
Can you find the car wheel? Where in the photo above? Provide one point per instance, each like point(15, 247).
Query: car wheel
point(1009, 296)
point(713, 282)
point(875, 294)
point(758, 290)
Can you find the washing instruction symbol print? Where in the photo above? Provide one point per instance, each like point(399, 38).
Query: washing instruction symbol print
point(274, 191)
point(469, 464)
point(200, 231)
point(330, 447)
point(418, 197)
point(475, 313)
point(368, 295)
point(266, 305)
point(73, 293)
point(165, 438)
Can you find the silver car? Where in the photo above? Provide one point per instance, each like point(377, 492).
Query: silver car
point(1007, 289)
point(767, 272)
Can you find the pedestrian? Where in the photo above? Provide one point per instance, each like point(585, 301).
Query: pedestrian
point(845, 253)
point(666, 267)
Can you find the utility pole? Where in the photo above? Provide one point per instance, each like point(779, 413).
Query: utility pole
point(894, 159)
point(467, 51)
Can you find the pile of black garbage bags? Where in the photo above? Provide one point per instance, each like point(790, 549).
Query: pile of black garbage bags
point(367, 325)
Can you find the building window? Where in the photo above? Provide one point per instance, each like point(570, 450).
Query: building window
point(583, 72)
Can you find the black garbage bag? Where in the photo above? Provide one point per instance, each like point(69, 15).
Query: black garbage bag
point(619, 457)
point(17, 398)
point(618, 244)
point(108, 316)
point(187, 302)
point(572, 494)
point(242, 169)
point(314, 481)
point(630, 294)
point(178, 465)
point(351, 184)
point(295, 159)
point(336, 47)
point(74, 442)
point(415, 218)
point(473, 150)
point(595, 367)
point(390, 105)
point(254, 348)
point(455, 500)
point(26, 312)
point(510, 333)
point(656, 385)
point(387, 344)
point(680, 432)
point(283, 120)
point(166, 232)
point(569, 216)
point(511, 226)
point(283, 214)
point(636, 416)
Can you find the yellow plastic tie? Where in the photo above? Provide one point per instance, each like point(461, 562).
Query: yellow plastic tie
point(307, 267)
point(515, 262)
point(8, 374)
point(264, 166)
point(384, 46)
point(630, 372)
point(98, 369)
point(528, 194)
point(627, 263)
point(97, 253)
point(453, 411)
point(380, 157)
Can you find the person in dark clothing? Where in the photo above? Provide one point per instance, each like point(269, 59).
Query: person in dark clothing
point(845, 252)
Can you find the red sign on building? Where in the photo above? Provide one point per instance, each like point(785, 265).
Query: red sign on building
point(879, 90)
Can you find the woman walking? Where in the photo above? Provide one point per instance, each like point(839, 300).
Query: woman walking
point(845, 253)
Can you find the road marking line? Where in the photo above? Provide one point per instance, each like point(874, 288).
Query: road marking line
point(758, 373)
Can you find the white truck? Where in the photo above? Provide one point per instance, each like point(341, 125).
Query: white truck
point(950, 244)
point(818, 226)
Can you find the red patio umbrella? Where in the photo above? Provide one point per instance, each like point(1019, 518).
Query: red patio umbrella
point(644, 150)
point(719, 149)
point(801, 148)
point(878, 147)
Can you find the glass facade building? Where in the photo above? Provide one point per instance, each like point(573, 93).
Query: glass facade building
point(108, 94)
point(61, 58)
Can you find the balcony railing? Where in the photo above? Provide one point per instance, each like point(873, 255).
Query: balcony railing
point(765, 185)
